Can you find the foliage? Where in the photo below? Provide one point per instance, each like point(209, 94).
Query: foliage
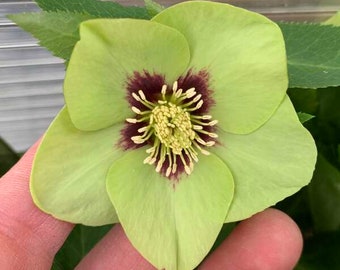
point(312, 52)
point(8, 157)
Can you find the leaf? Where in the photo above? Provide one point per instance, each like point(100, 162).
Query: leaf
point(329, 123)
point(304, 100)
point(313, 54)
point(100, 9)
point(57, 31)
point(153, 8)
point(321, 252)
point(324, 192)
point(304, 117)
point(7, 157)
point(81, 240)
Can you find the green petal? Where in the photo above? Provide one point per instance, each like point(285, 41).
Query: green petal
point(244, 53)
point(68, 176)
point(173, 225)
point(334, 20)
point(109, 51)
point(269, 164)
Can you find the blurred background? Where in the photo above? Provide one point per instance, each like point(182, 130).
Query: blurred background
point(31, 95)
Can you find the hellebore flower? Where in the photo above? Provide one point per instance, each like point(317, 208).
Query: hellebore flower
point(173, 127)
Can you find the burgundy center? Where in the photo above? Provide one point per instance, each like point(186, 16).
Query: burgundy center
point(151, 85)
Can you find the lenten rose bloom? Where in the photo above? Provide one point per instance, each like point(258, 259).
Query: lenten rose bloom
point(173, 127)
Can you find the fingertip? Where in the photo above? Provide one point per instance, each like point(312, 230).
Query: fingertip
point(114, 251)
point(32, 237)
point(268, 240)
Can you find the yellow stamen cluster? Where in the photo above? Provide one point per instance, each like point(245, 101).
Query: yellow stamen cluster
point(173, 128)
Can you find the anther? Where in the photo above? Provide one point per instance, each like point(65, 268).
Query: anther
point(213, 135)
point(197, 98)
point(190, 92)
point(136, 97)
point(210, 143)
point(213, 123)
point(131, 120)
point(205, 152)
point(143, 129)
point(187, 169)
point(136, 110)
point(199, 104)
point(174, 86)
point(197, 127)
point(140, 92)
point(163, 91)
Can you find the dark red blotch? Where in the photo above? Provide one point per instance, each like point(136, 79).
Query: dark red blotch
point(151, 85)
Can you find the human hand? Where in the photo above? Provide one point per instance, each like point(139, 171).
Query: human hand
point(29, 238)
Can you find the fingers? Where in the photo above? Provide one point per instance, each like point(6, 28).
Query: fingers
point(268, 240)
point(114, 251)
point(29, 238)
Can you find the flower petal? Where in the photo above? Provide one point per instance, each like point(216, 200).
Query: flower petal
point(244, 53)
point(68, 176)
point(269, 164)
point(110, 51)
point(173, 225)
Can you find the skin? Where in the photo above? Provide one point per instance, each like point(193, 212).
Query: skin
point(29, 238)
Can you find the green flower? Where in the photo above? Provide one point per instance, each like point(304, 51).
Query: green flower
point(173, 127)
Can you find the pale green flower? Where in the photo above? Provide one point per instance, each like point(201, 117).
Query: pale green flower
point(173, 127)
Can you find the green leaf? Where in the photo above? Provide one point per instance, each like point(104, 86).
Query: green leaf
point(304, 117)
point(313, 53)
point(81, 240)
point(57, 31)
point(100, 9)
point(321, 252)
point(328, 124)
point(7, 157)
point(153, 8)
point(304, 100)
point(324, 192)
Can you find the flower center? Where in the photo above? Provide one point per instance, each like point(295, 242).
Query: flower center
point(174, 127)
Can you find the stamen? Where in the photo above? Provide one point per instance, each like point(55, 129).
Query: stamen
point(136, 97)
point(163, 91)
point(131, 120)
point(143, 129)
point(136, 110)
point(173, 129)
point(197, 127)
point(210, 143)
point(174, 166)
point(140, 92)
point(213, 123)
point(190, 92)
point(174, 86)
point(178, 93)
point(197, 98)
